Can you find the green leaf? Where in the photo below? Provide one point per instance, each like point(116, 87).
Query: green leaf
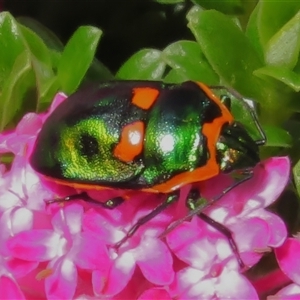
point(292, 126)
point(228, 51)
point(18, 83)
point(146, 64)
point(50, 88)
point(273, 15)
point(283, 48)
point(189, 61)
point(285, 75)
point(296, 173)
point(41, 64)
point(98, 71)
point(36, 46)
point(12, 45)
point(225, 6)
point(277, 137)
point(252, 32)
point(174, 76)
point(77, 57)
point(53, 43)
point(48, 37)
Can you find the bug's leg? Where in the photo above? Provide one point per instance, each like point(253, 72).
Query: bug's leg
point(227, 233)
point(170, 199)
point(193, 200)
point(109, 204)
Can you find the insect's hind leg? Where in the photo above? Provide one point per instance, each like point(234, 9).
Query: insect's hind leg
point(114, 202)
point(109, 204)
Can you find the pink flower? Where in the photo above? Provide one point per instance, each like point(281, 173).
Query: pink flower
point(289, 262)
point(212, 266)
point(66, 251)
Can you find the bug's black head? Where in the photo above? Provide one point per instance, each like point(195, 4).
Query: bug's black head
point(236, 150)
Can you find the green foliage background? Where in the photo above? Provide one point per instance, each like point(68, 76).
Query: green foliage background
point(251, 47)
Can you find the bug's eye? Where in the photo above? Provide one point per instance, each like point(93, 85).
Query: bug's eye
point(88, 145)
point(236, 149)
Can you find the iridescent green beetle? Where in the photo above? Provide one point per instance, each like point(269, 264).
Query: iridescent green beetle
point(142, 135)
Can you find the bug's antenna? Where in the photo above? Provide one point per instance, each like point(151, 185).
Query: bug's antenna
point(253, 114)
point(248, 103)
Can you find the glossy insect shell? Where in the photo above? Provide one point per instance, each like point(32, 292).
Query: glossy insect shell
point(141, 135)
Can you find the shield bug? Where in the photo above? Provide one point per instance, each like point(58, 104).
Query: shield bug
point(144, 135)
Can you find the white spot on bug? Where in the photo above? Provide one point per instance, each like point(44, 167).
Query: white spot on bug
point(167, 143)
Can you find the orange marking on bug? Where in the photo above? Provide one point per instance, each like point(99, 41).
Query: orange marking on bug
point(210, 170)
point(144, 97)
point(76, 185)
point(131, 143)
point(226, 114)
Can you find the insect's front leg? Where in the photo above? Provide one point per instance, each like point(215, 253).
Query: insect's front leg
point(172, 197)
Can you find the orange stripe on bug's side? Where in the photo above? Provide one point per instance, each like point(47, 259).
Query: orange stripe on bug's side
point(131, 143)
point(144, 97)
point(212, 132)
point(76, 185)
point(210, 170)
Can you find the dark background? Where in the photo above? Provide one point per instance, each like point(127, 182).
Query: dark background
point(128, 25)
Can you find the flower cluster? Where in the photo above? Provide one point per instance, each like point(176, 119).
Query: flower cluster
point(66, 251)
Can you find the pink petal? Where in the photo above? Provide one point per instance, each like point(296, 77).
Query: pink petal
point(29, 125)
point(19, 267)
point(251, 235)
point(278, 231)
point(155, 261)
point(34, 245)
point(191, 284)
point(13, 221)
point(8, 200)
point(121, 272)
point(90, 253)
point(291, 292)
point(62, 283)
point(278, 169)
point(288, 258)
point(272, 181)
point(68, 219)
point(3, 141)
point(232, 285)
point(58, 99)
point(9, 289)
point(189, 243)
point(21, 219)
point(102, 226)
point(17, 144)
point(155, 294)
point(99, 280)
